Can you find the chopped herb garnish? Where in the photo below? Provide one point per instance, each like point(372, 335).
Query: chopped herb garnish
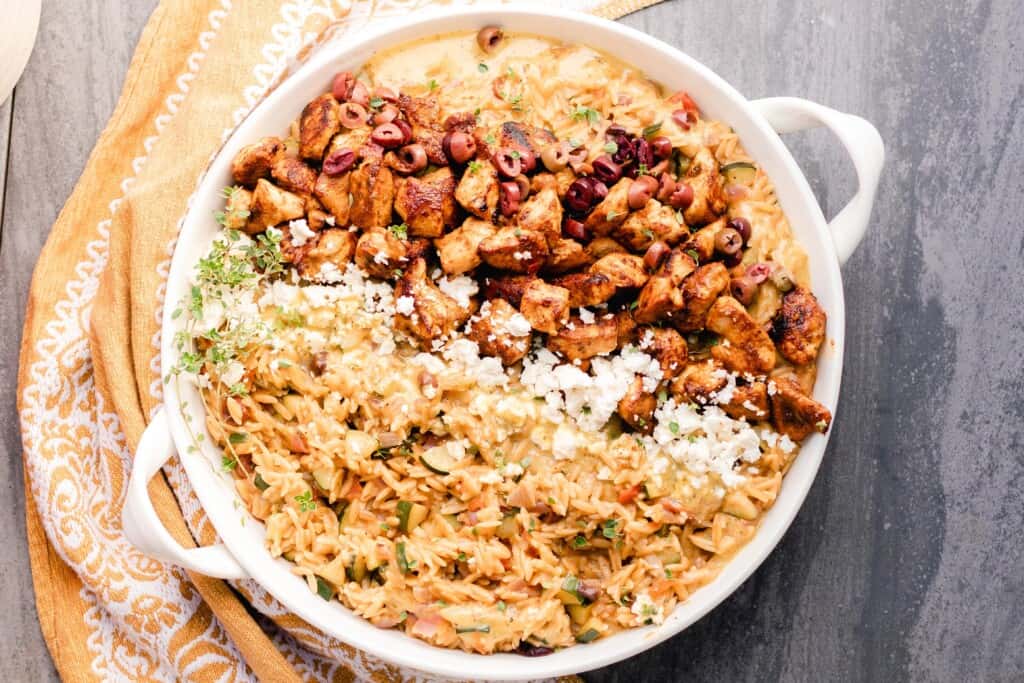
point(227, 463)
point(588, 114)
point(474, 166)
point(462, 557)
point(403, 561)
point(259, 483)
point(652, 129)
point(482, 68)
point(401, 231)
point(376, 102)
point(633, 305)
point(490, 139)
point(611, 147)
point(501, 606)
point(821, 424)
point(579, 541)
point(305, 501)
point(610, 216)
point(237, 437)
point(324, 589)
point(673, 427)
point(693, 254)
point(610, 528)
point(432, 85)
point(648, 233)
point(515, 154)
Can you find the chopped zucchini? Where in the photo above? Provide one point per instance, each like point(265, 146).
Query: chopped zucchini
point(508, 527)
point(357, 570)
point(739, 505)
point(322, 478)
point(403, 562)
point(587, 636)
point(579, 613)
point(569, 594)
point(324, 589)
point(259, 483)
point(739, 173)
point(473, 628)
point(410, 515)
point(289, 555)
point(438, 460)
point(453, 521)
point(670, 557)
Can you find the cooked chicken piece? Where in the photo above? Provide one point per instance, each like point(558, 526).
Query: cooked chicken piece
point(577, 340)
point(602, 246)
point(461, 121)
point(523, 137)
point(702, 242)
point(514, 249)
point(372, 186)
point(799, 327)
point(626, 271)
point(748, 402)
point(317, 125)
point(563, 179)
point(541, 181)
point(652, 223)
point(329, 255)
point(424, 116)
point(625, 329)
point(542, 212)
point(498, 329)
point(458, 249)
point(237, 209)
point(794, 413)
point(292, 250)
point(333, 193)
point(612, 210)
point(271, 205)
point(699, 382)
point(380, 253)
point(477, 191)
point(745, 347)
point(700, 289)
point(586, 289)
point(510, 287)
point(637, 407)
point(708, 197)
point(667, 347)
point(418, 247)
point(662, 297)
point(349, 138)
point(422, 310)
point(566, 254)
point(294, 175)
point(427, 203)
point(544, 306)
point(256, 160)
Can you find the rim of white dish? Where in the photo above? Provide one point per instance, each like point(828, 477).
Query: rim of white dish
point(219, 499)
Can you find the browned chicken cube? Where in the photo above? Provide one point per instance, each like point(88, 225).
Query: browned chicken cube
point(458, 250)
point(255, 161)
point(422, 310)
point(523, 137)
point(626, 271)
point(625, 328)
point(612, 210)
point(702, 242)
point(500, 330)
point(380, 253)
point(794, 413)
point(565, 255)
point(294, 175)
point(699, 382)
point(477, 190)
point(746, 347)
point(424, 116)
point(637, 407)
point(317, 125)
point(602, 246)
point(333, 193)
point(515, 249)
point(542, 212)
point(708, 197)
point(271, 205)
point(544, 306)
point(237, 209)
point(509, 287)
point(700, 289)
point(294, 248)
point(667, 347)
point(577, 340)
point(427, 203)
point(662, 297)
point(748, 402)
point(648, 225)
point(799, 326)
point(327, 259)
point(351, 139)
point(586, 289)
point(372, 186)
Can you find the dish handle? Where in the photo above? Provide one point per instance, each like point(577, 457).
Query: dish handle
point(143, 527)
point(862, 143)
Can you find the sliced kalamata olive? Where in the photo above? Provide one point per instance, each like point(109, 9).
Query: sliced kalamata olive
point(600, 190)
point(578, 159)
point(655, 254)
point(386, 94)
point(662, 147)
point(575, 229)
point(732, 260)
point(530, 650)
point(606, 170)
point(387, 114)
point(387, 135)
point(728, 241)
point(743, 289)
point(742, 226)
point(508, 203)
point(579, 196)
point(683, 118)
point(508, 162)
point(488, 38)
point(339, 161)
point(410, 159)
point(342, 84)
point(352, 115)
point(459, 147)
point(406, 129)
point(682, 197)
point(524, 186)
point(555, 157)
point(666, 186)
point(589, 590)
point(615, 131)
point(641, 191)
point(759, 272)
point(624, 151)
point(528, 160)
point(643, 154)
point(359, 94)
point(782, 279)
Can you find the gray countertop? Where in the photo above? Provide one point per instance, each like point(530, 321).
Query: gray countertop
point(906, 562)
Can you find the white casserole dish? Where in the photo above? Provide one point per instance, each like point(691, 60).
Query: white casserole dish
point(242, 553)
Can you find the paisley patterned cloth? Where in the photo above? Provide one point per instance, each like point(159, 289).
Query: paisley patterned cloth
point(90, 370)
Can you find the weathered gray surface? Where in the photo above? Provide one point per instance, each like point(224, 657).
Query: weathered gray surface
point(906, 562)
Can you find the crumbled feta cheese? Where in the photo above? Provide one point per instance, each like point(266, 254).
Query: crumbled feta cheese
point(512, 470)
point(492, 477)
point(405, 305)
point(564, 444)
point(330, 221)
point(518, 326)
point(328, 273)
point(300, 232)
point(646, 611)
point(586, 316)
point(522, 255)
point(459, 288)
point(604, 474)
